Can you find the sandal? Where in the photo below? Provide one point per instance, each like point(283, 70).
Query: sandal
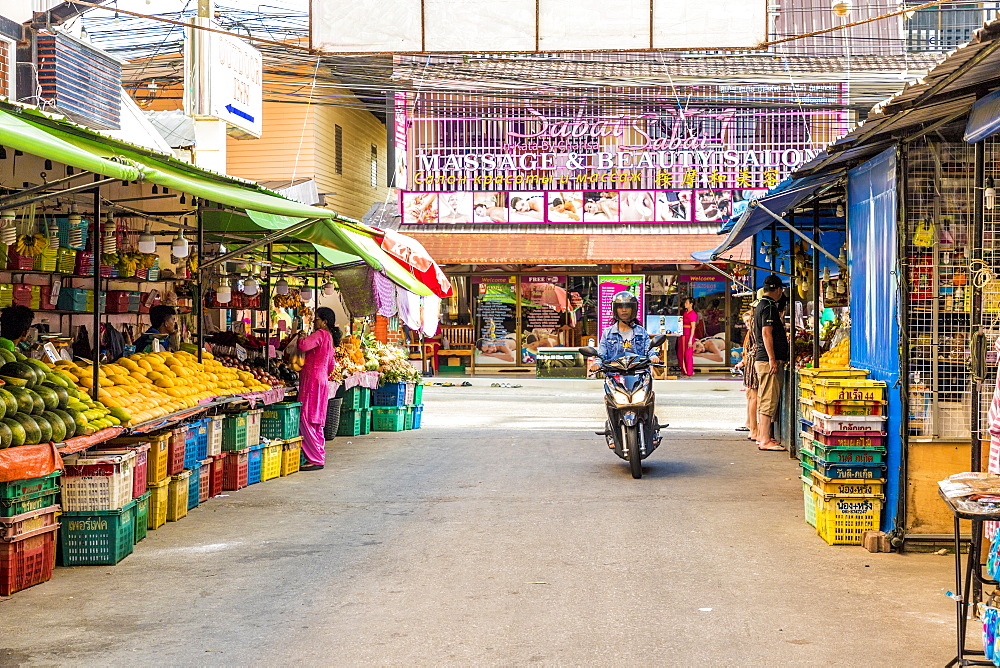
point(771, 446)
point(743, 429)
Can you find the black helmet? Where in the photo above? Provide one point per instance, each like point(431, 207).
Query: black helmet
point(625, 298)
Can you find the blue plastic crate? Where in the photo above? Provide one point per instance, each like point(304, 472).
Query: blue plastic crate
point(254, 462)
point(194, 485)
point(191, 450)
point(418, 412)
point(390, 394)
point(200, 429)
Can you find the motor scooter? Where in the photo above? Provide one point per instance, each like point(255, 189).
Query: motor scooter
point(632, 429)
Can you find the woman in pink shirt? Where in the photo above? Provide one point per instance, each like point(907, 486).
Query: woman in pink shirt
point(685, 344)
point(314, 385)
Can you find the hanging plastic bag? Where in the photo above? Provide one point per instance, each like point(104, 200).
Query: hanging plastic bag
point(923, 235)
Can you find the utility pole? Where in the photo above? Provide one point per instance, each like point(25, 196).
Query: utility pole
point(209, 132)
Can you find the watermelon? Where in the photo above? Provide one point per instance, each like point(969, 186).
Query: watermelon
point(17, 435)
point(56, 425)
point(44, 428)
point(41, 369)
point(62, 396)
point(25, 404)
point(9, 402)
point(6, 437)
point(32, 434)
point(49, 397)
point(38, 406)
point(68, 422)
point(25, 372)
point(7, 356)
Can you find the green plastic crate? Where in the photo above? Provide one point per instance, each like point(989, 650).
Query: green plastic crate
point(141, 516)
point(388, 418)
point(408, 418)
point(28, 502)
point(356, 398)
point(350, 423)
point(96, 537)
point(281, 421)
point(18, 488)
point(366, 421)
point(234, 432)
point(418, 394)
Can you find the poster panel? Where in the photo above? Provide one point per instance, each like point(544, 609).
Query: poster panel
point(544, 301)
point(608, 286)
point(496, 319)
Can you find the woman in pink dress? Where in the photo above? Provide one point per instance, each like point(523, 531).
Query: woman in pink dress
point(685, 345)
point(314, 386)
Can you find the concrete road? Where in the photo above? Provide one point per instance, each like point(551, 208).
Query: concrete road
point(503, 532)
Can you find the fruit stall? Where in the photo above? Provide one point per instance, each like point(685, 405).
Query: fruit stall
point(101, 443)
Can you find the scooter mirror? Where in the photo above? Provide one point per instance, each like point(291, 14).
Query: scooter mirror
point(588, 351)
point(657, 341)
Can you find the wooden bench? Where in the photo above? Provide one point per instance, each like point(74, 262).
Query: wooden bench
point(461, 341)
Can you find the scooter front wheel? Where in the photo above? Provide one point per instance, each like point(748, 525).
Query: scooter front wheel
point(632, 449)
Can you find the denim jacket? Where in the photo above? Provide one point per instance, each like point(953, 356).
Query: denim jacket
point(613, 343)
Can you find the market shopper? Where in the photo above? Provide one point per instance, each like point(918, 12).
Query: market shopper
point(15, 322)
point(314, 387)
point(162, 320)
point(770, 359)
point(750, 380)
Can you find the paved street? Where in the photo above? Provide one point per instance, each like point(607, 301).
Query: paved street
point(503, 532)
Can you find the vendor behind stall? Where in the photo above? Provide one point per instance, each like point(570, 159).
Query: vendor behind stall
point(162, 320)
point(15, 321)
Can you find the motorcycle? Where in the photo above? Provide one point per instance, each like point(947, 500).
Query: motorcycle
point(632, 429)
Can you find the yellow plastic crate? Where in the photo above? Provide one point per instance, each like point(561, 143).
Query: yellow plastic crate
point(6, 294)
point(847, 486)
point(834, 372)
point(159, 498)
point(177, 500)
point(270, 466)
point(851, 389)
point(843, 520)
point(291, 456)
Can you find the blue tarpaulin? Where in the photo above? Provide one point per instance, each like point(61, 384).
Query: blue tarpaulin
point(875, 297)
point(984, 118)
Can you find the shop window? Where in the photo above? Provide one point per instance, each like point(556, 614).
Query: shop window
point(7, 68)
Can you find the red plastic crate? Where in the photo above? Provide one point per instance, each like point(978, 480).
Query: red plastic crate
point(141, 464)
point(22, 294)
point(46, 298)
point(218, 469)
point(28, 524)
point(17, 261)
point(84, 263)
point(117, 301)
point(175, 451)
point(205, 483)
point(27, 562)
point(236, 469)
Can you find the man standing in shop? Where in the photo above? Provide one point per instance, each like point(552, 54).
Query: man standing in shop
point(771, 358)
point(15, 321)
point(162, 320)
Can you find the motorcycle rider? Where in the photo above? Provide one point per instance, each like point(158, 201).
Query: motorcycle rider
point(625, 334)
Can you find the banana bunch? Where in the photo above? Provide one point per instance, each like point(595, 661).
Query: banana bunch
point(147, 260)
point(32, 245)
point(125, 263)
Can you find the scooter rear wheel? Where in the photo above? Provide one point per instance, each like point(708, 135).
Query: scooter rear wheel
point(632, 448)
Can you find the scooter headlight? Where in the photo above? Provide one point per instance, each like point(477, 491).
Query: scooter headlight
point(639, 396)
point(621, 398)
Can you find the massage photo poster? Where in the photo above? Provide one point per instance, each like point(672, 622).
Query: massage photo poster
point(608, 286)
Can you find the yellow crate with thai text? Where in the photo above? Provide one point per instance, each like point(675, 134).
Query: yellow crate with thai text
point(159, 498)
point(849, 389)
point(270, 463)
point(843, 520)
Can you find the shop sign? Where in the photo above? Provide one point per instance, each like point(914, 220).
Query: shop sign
point(224, 80)
point(608, 286)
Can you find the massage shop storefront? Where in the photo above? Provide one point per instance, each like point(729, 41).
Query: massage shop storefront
point(532, 205)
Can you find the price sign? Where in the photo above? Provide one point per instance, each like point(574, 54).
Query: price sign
point(241, 353)
point(51, 353)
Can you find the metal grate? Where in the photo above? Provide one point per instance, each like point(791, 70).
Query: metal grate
point(939, 222)
point(985, 276)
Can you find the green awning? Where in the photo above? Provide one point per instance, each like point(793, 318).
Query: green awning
point(378, 259)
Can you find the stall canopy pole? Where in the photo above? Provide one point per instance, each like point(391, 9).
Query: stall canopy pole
point(270, 238)
point(9, 204)
point(45, 186)
point(799, 233)
point(268, 294)
point(789, 406)
point(815, 288)
point(199, 292)
point(978, 350)
point(731, 277)
point(96, 229)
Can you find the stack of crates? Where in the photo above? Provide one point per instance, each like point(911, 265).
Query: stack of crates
point(291, 456)
point(28, 524)
point(254, 418)
point(99, 508)
point(281, 421)
point(843, 452)
point(157, 476)
point(270, 460)
point(355, 412)
point(389, 408)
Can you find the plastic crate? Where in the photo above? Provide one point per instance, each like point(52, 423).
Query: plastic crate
point(204, 480)
point(199, 429)
point(291, 456)
point(96, 537)
point(418, 394)
point(390, 394)
point(27, 562)
point(19, 488)
point(850, 471)
point(215, 481)
point(99, 482)
point(235, 470)
point(66, 260)
point(213, 427)
point(156, 458)
point(838, 455)
point(254, 418)
point(843, 520)
point(140, 472)
point(28, 503)
point(67, 232)
point(177, 496)
point(357, 398)
point(141, 516)
point(191, 448)
point(281, 421)
point(350, 422)
point(809, 498)
point(418, 413)
point(366, 421)
point(255, 463)
point(849, 389)
point(177, 448)
point(28, 524)
point(847, 440)
point(385, 418)
point(851, 424)
point(270, 465)
point(159, 496)
point(407, 418)
point(194, 486)
point(847, 486)
point(234, 432)
point(848, 407)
